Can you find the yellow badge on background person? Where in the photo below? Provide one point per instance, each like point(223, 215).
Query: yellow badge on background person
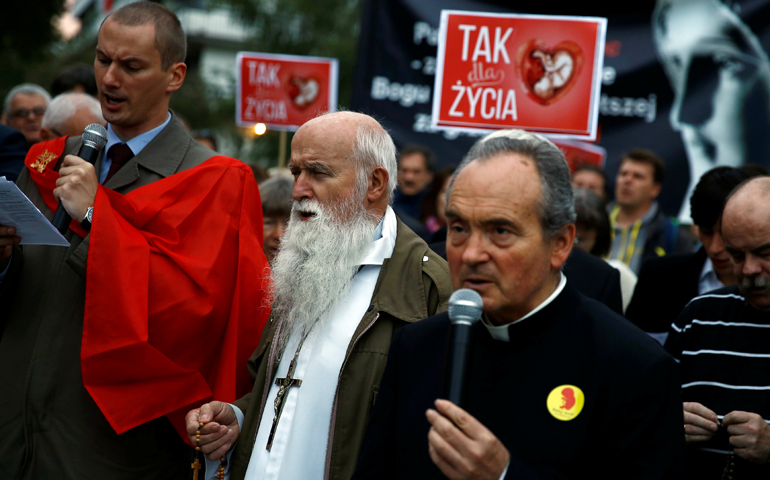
point(565, 402)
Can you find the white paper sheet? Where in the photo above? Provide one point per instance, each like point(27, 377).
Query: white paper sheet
point(16, 210)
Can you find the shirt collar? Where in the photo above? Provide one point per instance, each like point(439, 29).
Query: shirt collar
point(384, 240)
point(708, 278)
point(501, 332)
point(137, 143)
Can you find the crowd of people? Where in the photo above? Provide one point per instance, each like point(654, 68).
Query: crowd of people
point(207, 323)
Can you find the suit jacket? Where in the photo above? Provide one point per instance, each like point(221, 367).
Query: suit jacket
point(52, 426)
point(592, 276)
point(573, 343)
point(665, 286)
point(13, 149)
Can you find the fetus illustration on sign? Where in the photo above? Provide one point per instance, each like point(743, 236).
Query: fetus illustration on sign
point(549, 72)
point(303, 91)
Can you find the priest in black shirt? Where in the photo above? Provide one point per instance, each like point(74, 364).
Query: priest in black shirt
point(558, 385)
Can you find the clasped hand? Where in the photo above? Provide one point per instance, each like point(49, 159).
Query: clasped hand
point(749, 433)
point(220, 430)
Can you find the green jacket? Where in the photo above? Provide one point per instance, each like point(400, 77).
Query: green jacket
point(413, 284)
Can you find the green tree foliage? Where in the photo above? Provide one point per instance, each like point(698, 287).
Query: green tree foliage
point(322, 28)
point(26, 32)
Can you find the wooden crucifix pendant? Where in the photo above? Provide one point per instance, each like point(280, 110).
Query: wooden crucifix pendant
point(284, 384)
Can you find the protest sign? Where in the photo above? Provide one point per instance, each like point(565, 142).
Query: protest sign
point(284, 91)
point(535, 72)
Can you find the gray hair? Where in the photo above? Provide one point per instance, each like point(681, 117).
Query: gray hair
point(276, 195)
point(26, 89)
point(557, 206)
point(374, 148)
point(64, 106)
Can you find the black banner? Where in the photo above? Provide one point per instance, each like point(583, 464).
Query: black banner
point(688, 79)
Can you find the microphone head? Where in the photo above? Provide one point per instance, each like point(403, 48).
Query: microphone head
point(465, 306)
point(96, 135)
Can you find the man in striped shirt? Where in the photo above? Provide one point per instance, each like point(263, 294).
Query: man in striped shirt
point(722, 341)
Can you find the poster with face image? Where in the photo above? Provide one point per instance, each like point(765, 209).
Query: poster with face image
point(539, 73)
point(284, 91)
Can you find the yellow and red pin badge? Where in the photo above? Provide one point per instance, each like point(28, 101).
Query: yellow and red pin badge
point(565, 402)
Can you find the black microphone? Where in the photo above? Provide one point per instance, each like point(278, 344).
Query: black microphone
point(93, 140)
point(464, 310)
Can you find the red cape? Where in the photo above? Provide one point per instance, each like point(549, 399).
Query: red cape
point(175, 291)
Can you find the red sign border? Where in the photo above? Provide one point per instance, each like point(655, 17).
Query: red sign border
point(593, 119)
point(333, 83)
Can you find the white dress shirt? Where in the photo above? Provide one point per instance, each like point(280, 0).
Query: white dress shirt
point(299, 446)
point(708, 278)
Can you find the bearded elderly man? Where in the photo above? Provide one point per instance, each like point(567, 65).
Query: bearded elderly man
point(558, 386)
point(348, 275)
point(721, 341)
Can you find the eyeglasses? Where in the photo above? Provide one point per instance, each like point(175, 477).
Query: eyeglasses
point(24, 113)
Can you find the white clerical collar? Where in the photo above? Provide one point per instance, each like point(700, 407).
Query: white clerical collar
point(500, 332)
point(382, 247)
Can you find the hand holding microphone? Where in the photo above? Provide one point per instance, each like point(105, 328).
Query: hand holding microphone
point(460, 445)
point(77, 183)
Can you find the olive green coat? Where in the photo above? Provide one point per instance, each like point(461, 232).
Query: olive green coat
point(413, 284)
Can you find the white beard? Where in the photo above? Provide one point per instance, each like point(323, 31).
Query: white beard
point(316, 263)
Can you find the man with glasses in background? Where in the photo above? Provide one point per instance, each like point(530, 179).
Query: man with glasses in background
point(24, 108)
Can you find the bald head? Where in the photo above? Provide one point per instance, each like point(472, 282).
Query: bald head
point(352, 151)
point(746, 235)
point(745, 196)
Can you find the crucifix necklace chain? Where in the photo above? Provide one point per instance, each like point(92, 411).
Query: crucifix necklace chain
point(283, 388)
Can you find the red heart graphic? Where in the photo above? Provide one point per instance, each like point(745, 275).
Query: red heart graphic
point(302, 91)
point(549, 73)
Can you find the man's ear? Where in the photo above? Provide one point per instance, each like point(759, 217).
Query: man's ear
point(561, 245)
point(378, 186)
point(46, 134)
point(177, 72)
point(656, 190)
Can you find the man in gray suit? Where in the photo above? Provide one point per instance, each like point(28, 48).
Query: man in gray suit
point(56, 424)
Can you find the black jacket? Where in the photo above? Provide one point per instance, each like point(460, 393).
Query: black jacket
point(630, 425)
point(665, 286)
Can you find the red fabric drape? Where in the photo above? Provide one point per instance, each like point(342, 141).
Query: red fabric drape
point(175, 293)
point(46, 180)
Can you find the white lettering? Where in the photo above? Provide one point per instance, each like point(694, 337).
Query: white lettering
point(500, 44)
point(482, 45)
point(473, 100)
point(492, 103)
point(405, 94)
point(453, 109)
point(423, 31)
point(645, 108)
point(510, 106)
point(252, 65)
point(268, 110)
point(264, 74)
point(609, 74)
point(467, 29)
point(484, 113)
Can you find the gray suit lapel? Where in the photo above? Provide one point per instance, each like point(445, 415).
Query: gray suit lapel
point(162, 155)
